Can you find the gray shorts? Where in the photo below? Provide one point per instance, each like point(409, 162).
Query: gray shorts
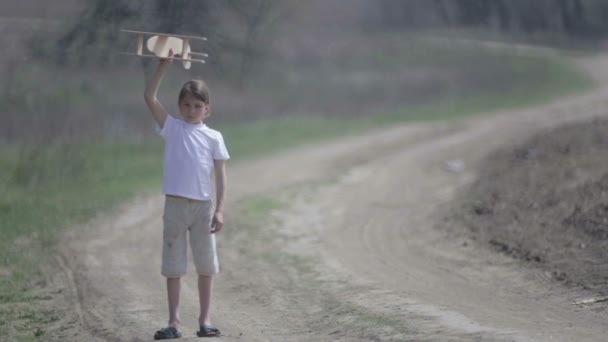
point(182, 218)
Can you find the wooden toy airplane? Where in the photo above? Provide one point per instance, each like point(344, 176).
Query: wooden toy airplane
point(160, 44)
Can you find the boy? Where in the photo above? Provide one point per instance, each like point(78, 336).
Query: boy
point(192, 152)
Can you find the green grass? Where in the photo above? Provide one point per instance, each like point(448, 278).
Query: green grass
point(551, 78)
point(558, 79)
point(48, 188)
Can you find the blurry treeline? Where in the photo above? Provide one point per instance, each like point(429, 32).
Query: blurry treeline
point(572, 17)
point(338, 58)
point(71, 83)
point(238, 31)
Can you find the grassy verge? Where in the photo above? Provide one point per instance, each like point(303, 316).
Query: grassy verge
point(552, 78)
point(45, 189)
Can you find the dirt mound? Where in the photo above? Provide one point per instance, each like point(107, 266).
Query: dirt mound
point(545, 202)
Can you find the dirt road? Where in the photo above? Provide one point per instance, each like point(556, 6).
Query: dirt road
point(353, 251)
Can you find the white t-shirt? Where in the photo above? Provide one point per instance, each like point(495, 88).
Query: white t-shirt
point(190, 150)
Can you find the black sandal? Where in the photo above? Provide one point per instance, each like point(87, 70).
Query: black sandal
point(208, 331)
point(167, 334)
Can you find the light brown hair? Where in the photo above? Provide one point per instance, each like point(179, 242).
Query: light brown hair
point(197, 89)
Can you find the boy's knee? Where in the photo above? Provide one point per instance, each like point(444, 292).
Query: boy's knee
point(172, 275)
point(173, 269)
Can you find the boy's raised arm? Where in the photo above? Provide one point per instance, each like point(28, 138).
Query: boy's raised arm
point(150, 95)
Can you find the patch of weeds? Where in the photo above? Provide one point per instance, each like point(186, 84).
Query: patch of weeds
point(39, 332)
point(256, 215)
point(258, 208)
point(252, 216)
point(13, 297)
point(43, 164)
point(377, 320)
point(301, 264)
point(271, 258)
point(360, 321)
point(304, 266)
point(25, 321)
point(39, 317)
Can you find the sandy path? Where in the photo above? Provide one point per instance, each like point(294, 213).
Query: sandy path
point(356, 254)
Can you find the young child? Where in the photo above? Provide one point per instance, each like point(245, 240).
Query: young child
point(192, 152)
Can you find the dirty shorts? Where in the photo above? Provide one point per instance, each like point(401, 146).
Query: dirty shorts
point(185, 220)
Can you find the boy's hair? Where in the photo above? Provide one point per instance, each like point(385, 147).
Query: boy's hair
point(195, 88)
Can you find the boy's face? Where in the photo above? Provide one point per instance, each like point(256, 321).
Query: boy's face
point(193, 110)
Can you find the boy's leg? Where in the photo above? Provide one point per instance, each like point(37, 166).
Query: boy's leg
point(205, 259)
point(173, 291)
point(205, 286)
point(174, 253)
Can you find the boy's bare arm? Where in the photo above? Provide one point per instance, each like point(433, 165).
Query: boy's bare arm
point(220, 190)
point(150, 95)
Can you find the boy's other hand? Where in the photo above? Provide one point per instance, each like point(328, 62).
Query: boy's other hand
point(217, 223)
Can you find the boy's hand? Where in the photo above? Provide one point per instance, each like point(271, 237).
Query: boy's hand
point(217, 223)
point(166, 61)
